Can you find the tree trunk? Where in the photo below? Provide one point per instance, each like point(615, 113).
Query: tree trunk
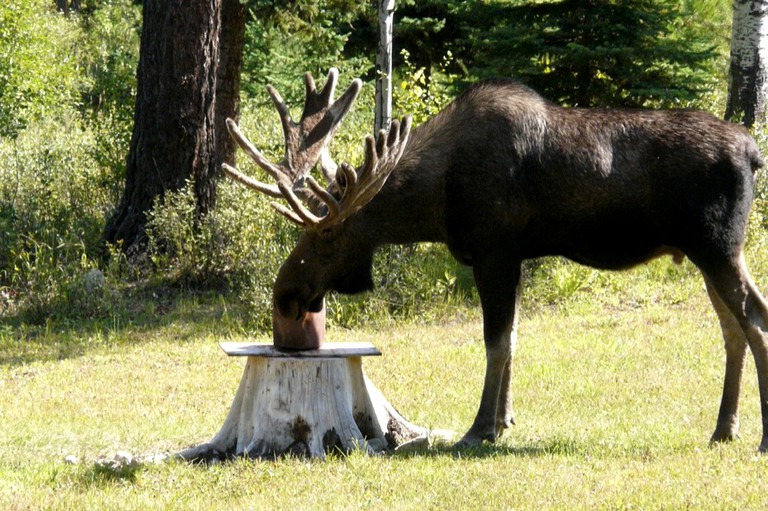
point(748, 88)
point(65, 7)
point(383, 113)
point(178, 100)
point(228, 79)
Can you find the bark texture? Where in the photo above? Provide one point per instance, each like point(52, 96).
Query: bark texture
point(748, 88)
point(383, 113)
point(232, 39)
point(188, 83)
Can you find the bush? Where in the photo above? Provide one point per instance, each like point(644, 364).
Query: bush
point(237, 247)
point(38, 63)
point(110, 58)
point(53, 199)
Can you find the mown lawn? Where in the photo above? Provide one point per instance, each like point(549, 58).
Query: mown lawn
point(614, 410)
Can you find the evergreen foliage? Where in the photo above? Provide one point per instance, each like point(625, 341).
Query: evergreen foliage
point(285, 38)
point(598, 52)
point(575, 52)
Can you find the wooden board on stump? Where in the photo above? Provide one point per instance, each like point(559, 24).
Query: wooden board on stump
point(306, 403)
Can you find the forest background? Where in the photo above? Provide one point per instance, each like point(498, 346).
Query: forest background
point(67, 95)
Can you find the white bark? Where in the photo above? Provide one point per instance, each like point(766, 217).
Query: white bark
point(383, 114)
point(748, 88)
point(306, 403)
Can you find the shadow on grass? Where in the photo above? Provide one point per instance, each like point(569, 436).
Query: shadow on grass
point(100, 474)
point(542, 448)
point(548, 447)
point(143, 313)
point(539, 449)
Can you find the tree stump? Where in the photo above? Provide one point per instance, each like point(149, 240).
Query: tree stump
point(306, 403)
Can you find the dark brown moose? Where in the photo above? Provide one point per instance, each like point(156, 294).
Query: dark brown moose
point(502, 175)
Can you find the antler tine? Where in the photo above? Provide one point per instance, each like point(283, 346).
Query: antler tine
point(308, 219)
point(325, 97)
point(273, 170)
point(272, 191)
point(381, 157)
point(328, 166)
point(306, 142)
point(283, 111)
point(324, 196)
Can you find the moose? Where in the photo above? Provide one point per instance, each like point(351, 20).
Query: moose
point(502, 175)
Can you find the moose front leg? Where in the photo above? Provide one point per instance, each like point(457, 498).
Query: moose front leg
point(498, 287)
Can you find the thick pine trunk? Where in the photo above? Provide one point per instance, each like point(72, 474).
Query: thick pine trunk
point(748, 88)
point(228, 79)
point(185, 90)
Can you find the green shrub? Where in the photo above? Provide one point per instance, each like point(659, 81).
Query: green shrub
point(53, 198)
point(38, 62)
point(237, 247)
point(110, 59)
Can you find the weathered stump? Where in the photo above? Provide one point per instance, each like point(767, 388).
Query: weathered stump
point(306, 403)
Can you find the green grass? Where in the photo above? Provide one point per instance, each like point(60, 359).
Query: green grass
point(614, 410)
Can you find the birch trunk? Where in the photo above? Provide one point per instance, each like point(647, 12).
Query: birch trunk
point(748, 87)
point(383, 115)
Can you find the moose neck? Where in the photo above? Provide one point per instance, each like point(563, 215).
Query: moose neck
point(410, 207)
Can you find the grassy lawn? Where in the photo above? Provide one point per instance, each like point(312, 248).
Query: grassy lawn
point(614, 410)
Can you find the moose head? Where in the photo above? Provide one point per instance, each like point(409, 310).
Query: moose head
point(322, 259)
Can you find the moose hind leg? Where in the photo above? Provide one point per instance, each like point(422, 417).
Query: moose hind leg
point(727, 428)
point(505, 415)
point(738, 292)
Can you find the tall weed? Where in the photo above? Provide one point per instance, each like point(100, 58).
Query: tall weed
point(53, 199)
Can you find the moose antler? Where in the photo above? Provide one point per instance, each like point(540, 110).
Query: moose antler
point(357, 187)
point(305, 141)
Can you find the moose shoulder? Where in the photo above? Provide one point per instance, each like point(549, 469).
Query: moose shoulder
point(502, 175)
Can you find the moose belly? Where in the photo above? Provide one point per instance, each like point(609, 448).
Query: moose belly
point(615, 252)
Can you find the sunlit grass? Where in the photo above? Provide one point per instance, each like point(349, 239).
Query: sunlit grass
point(614, 409)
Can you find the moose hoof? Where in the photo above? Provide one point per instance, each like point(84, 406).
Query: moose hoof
point(503, 425)
point(722, 439)
point(474, 440)
point(725, 433)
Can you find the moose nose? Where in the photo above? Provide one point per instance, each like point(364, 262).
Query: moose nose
point(289, 310)
point(303, 333)
point(292, 303)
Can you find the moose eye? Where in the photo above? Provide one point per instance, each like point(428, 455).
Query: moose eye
point(326, 234)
